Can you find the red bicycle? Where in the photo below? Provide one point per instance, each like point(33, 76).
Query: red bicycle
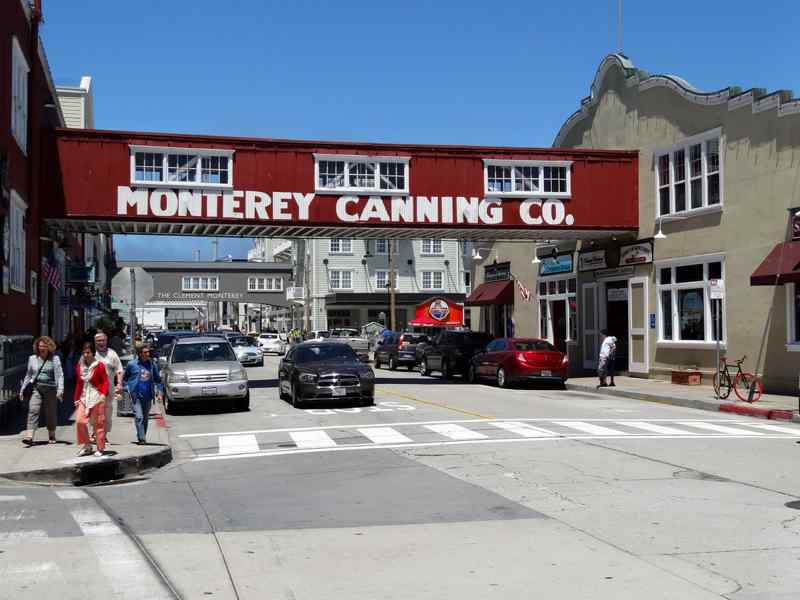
point(740, 382)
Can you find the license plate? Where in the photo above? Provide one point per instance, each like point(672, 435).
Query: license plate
point(209, 391)
point(547, 373)
point(338, 391)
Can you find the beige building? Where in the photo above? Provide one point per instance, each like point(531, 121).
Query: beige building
point(719, 175)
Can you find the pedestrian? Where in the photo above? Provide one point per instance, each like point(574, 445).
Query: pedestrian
point(143, 382)
point(114, 370)
point(608, 354)
point(44, 382)
point(116, 342)
point(91, 391)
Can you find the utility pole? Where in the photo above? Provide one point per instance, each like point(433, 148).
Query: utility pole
point(393, 324)
point(133, 304)
point(306, 286)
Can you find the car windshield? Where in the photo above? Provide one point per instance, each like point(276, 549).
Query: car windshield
point(324, 352)
point(414, 338)
point(531, 345)
point(344, 333)
point(203, 352)
point(323, 334)
point(243, 341)
point(269, 336)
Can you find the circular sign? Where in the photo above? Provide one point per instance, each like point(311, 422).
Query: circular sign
point(439, 309)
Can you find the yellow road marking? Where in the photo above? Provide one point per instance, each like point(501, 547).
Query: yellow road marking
point(438, 405)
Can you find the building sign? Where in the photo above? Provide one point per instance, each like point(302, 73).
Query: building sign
point(610, 273)
point(438, 312)
point(439, 309)
point(795, 216)
point(716, 289)
point(639, 253)
point(555, 265)
point(617, 294)
point(497, 272)
point(591, 261)
point(230, 296)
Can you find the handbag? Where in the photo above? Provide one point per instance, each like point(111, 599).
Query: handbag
point(27, 391)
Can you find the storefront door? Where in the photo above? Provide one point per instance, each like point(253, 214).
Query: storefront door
point(617, 319)
point(638, 341)
point(558, 312)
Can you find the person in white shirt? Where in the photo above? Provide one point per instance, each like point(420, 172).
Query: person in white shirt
point(605, 364)
point(114, 370)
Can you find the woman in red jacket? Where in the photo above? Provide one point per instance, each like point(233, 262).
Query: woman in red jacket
point(91, 391)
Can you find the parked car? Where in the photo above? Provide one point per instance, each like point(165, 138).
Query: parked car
point(450, 352)
point(352, 338)
point(515, 360)
point(204, 369)
point(328, 371)
point(399, 349)
point(247, 350)
point(271, 343)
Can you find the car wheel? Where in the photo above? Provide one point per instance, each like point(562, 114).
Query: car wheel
point(423, 367)
point(243, 404)
point(393, 363)
point(445, 370)
point(297, 400)
point(377, 362)
point(502, 381)
point(369, 401)
point(472, 377)
point(169, 405)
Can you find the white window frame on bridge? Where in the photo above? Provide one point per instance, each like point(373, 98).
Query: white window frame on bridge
point(213, 283)
point(513, 165)
point(375, 161)
point(166, 152)
point(267, 284)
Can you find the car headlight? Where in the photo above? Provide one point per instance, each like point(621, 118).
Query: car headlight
point(308, 378)
point(367, 374)
point(238, 373)
point(179, 378)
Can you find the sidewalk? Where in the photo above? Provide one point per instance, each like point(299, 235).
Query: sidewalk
point(771, 406)
point(58, 463)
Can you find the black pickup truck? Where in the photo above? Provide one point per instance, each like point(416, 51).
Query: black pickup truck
point(450, 352)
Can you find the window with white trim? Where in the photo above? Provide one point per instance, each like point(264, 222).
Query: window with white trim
point(382, 246)
point(686, 313)
point(431, 247)
point(16, 225)
point(181, 167)
point(382, 280)
point(200, 283)
point(19, 96)
point(340, 280)
point(340, 246)
point(528, 179)
point(432, 280)
point(264, 284)
point(689, 175)
point(793, 316)
point(550, 292)
point(378, 174)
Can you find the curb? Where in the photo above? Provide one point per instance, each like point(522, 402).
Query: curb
point(731, 407)
point(94, 471)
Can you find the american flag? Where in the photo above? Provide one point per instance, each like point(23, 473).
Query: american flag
point(51, 273)
point(523, 291)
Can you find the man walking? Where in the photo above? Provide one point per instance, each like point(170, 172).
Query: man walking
point(143, 382)
point(605, 364)
point(113, 366)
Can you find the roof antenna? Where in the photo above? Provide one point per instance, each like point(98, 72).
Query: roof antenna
point(619, 26)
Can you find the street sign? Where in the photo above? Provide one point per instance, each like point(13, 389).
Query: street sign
point(716, 289)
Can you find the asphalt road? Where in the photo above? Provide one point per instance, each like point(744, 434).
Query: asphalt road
point(440, 490)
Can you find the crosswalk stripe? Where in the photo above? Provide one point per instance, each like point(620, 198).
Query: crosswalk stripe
point(383, 435)
point(311, 439)
point(589, 428)
point(778, 428)
point(523, 429)
point(71, 494)
point(10, 537)
point(655, 428)
point(719, 428)
point(455, 432)
point(237, 444)
point(12, 498)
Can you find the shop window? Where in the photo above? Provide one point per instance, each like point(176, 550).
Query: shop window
point(527, 178)
point(17, 242)
point(432, 280)
point(264, 284)
point(341, 246)
point(689, 175)
point(181, 167)
point(19, 97)
point(340, 280)
point(686, 313)
point(385, 174)
point(431, 247)
point(557, 297)
point(793, 316)
point(200, 283)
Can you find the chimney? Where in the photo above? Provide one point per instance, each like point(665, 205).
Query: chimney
point(214, 249)
point(196, 254)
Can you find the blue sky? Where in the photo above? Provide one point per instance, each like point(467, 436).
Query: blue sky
point(451, 72)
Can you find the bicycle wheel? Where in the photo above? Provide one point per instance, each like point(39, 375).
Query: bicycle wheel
point(741, 386)
point(722, 384)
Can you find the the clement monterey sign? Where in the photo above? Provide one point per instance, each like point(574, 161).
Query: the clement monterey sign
point(296, 207)
point(123, 182)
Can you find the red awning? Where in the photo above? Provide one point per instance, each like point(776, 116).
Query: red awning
point(494, 292)
point(782, 265)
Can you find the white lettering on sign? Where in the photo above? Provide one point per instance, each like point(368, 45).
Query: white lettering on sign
point(288, 206)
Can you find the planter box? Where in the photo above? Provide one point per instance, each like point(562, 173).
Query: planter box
point(687, 377)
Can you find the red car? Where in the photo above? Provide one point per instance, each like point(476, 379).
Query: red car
point(514, 360)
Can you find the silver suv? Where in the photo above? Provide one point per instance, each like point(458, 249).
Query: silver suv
point(201, 369)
